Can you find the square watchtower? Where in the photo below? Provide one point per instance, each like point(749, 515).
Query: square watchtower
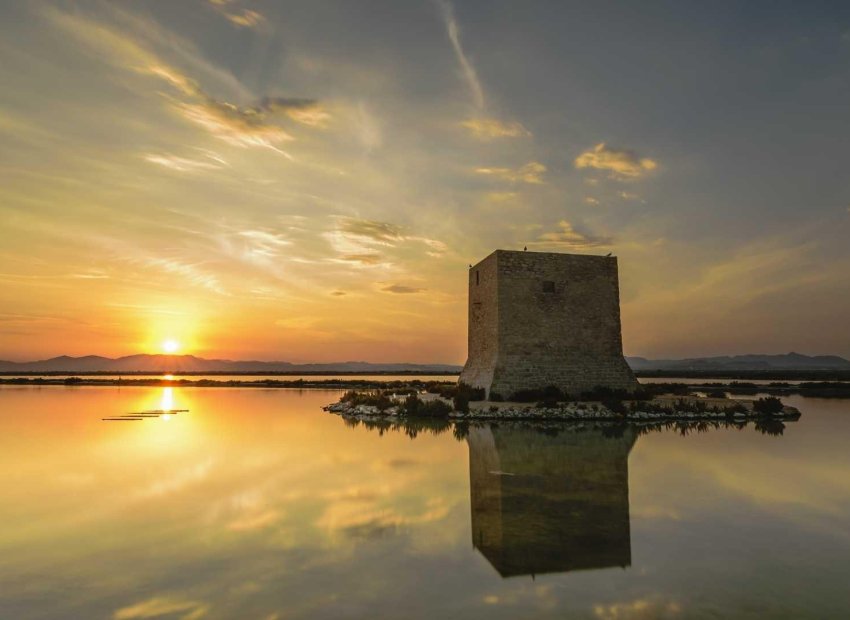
point(541, 318)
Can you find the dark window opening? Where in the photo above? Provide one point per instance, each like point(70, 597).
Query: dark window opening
point(548, 286)
point(476, 278)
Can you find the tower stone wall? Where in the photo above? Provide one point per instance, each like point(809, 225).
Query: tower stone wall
point(538, 319)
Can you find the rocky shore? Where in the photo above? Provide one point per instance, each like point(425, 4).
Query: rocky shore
point(656, 409)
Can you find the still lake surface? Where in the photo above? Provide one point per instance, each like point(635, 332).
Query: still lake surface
point(256, 504)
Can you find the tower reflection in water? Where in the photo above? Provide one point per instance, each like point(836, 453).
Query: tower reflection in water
point(548, 503)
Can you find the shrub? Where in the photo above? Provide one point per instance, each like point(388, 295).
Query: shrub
point(549, 393)
point(716, 394)
point(446, 390)
point(465, 393)
point(614, 404)
point(768, 405)
point(415, 408)
point(377, 399)
point(736, 408)
point(461, 402)
point(472, 393)
point(496, 397)
point(411, 405)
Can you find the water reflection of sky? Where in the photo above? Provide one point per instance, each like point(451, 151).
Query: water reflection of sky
point(256, 504)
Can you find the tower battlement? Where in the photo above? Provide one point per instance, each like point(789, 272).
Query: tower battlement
point(541, 318)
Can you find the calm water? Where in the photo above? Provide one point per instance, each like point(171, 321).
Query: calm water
point(258, 505)
point(278, 377)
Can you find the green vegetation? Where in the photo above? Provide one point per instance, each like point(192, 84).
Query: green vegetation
point(768, 406)
point(413, 407)
point(378, 399)
point(464, 394)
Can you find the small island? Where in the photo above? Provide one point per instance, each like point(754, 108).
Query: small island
point(650, 403)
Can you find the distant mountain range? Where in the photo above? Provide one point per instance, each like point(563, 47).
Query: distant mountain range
point(192, 364)
point(787, 361)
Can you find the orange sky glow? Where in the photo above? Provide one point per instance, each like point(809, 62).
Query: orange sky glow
point(176, 178)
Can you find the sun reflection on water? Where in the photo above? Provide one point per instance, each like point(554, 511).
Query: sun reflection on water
point(166, 402)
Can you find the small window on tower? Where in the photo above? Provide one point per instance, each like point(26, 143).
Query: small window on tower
point(476, 278)
point(548, 286)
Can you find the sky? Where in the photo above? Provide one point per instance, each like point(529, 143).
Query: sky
point(309, 181)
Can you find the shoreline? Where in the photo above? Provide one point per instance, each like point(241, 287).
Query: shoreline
point(817, 389)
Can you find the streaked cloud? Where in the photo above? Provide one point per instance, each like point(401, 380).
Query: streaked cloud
point(467, 70)
point(185, 164)
point(264, 243)
point(237, 126)
point(357, 239)
point(366, 258)
point(568, 238)
point(401, 289)
point(158, 607)
point(622, 164)
point(532, 172)
point(305, 111)
point(492, 128)
point(383, 233)
point(187, 272)
point(237, 15)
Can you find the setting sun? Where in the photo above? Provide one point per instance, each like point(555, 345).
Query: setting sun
point(170, 346)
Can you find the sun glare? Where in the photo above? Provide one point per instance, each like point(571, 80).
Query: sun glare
point(170, 346)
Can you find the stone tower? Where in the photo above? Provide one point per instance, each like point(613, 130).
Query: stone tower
point(539, 318)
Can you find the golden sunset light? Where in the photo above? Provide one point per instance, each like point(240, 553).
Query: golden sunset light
point(424, 309)
point(307, 201)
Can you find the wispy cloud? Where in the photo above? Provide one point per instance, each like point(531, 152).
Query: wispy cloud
point(163, 606)
point(383, 233)
point(237, 15)
point(401, 289)
point(265, 242)
point(366, 258)
point(240, 125)
point(622, 164)
point(357, 238)
point(305, 111)
point(568, 237)
point(186, 164)
point(189, 273)
point(466, 68)
point(491, 128)
point(532, 172)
